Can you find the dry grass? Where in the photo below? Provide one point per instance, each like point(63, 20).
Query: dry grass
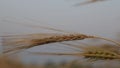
point(16, 43)
point(31, 42)
point(7, 63)
point(90, 52)
point(10, 63)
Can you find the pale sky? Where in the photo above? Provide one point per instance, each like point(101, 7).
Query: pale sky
point(90, 19)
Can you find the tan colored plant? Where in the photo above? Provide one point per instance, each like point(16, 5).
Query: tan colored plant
point(19, 42)
point(89, 52)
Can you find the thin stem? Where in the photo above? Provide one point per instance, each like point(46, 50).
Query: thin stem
point(47, 53)
point(108, 40)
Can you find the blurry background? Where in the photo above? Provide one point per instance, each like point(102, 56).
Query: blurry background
point(100, 18)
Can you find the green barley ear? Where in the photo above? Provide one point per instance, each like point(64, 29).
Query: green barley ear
point(100, 53)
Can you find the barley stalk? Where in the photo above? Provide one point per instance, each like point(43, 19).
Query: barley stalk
point(59, 30)
point(52, 39)
point(32, 42)
point(100, 53)
point(91, 52)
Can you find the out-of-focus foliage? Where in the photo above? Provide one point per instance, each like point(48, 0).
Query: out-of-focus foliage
point(89, 2)
point(13, 63)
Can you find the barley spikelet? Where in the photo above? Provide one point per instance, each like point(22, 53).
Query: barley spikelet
point(32, 41)
point(26, 43)
point(36, 39)
point(90, 52)
point(97, 52)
